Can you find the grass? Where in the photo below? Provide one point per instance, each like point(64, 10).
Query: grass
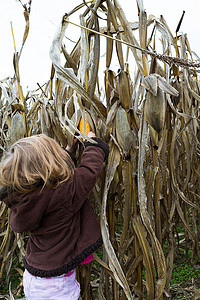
point(184, 272)
point(185, 278)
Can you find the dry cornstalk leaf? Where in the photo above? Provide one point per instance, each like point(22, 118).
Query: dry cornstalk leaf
point(147, 256)
point(94, 61)
point(112, 14)
point(109, 50)
point(113, 162)
point(119, 51)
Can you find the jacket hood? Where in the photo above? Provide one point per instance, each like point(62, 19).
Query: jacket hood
point(27, 208)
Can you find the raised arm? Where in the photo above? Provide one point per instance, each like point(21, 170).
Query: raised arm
point(86, 175)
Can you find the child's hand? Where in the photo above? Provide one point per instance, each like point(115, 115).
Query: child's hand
point(71, 149)
point(91, 134)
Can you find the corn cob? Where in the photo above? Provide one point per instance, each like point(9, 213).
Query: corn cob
point(155, 110)
point(123, 132)
point(84, 128)
point(124, 89)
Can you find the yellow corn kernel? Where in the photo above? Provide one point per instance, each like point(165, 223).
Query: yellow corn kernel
point(87, 127)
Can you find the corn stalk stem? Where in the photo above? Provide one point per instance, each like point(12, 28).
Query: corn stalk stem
point(157, 196)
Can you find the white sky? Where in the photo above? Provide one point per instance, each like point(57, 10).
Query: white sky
point(35, 64)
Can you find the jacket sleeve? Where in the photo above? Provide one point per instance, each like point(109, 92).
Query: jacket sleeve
point(86, 175)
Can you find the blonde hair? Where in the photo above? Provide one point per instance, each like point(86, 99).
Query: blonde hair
point(33, 161)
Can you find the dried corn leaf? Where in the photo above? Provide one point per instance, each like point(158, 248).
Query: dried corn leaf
point(94, 61)
point(26, 16)
point(188, 160)
point(112, 113)
point(112, 14)
point(109, 50)
point(147, 257)
point(33, 108)
point(168, 30)
point(119, 51)
point(176, 187)
point(143, 28)
point(109, 81)
point(84, 53)
point(6, 235)
point(70, 63)
point(127, 203)
point(113, 162)
point(166, 87)
point(151, 84)
point(142, 197)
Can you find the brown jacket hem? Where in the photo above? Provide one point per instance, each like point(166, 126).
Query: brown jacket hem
point(66, 268)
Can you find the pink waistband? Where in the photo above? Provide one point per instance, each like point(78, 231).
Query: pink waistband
point(87, 260)
point(68, 274)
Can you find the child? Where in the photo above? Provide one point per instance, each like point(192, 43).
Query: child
point(48, 197)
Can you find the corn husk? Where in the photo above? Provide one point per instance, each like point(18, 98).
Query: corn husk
point(124, 89)
point(17, 127)
point(123, 131)
point(155, 110)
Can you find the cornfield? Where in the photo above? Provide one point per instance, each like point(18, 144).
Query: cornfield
point(148, 112)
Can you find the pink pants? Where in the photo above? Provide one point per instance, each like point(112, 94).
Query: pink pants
point(53, 288)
